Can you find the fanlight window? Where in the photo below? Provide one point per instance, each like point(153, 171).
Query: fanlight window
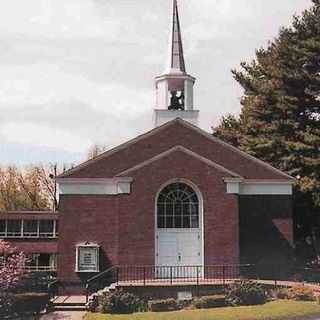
point(178, 207)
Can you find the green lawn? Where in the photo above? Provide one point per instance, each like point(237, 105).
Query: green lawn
point(284, 309)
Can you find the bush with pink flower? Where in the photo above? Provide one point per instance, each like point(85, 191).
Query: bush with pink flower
point(11, 271)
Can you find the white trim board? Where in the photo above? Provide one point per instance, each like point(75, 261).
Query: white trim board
point(258, 187)
point(113, 186)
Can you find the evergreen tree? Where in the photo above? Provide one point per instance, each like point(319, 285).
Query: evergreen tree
point(280, 116)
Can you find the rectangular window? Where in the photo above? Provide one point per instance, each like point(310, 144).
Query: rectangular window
point(2, 228)
point(194, 222)
point(161, 222)
point(14, 228)
point(30, 228)
point(87, 259)
point(46, 228)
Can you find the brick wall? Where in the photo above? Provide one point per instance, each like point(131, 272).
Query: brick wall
point(137, 217)
point(87, 218)
point(34, 245)
point(124, 225)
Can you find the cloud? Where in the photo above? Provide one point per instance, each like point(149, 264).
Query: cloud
point(39, 135)
point(237, 20)
point(47, 18)
point(76, 72)
point(80, 111)
point(45, 83)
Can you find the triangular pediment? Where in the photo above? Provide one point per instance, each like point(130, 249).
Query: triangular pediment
point(163, 138)
point(187, 152)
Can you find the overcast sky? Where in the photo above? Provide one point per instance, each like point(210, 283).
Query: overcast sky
point(78, 72)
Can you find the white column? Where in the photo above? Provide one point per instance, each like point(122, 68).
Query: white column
point(188, 93)
point(162, 101)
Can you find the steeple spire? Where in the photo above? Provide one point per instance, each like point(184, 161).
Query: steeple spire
point(176, 58)
point(174, 88)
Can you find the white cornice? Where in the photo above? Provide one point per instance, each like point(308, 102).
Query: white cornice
point(93, 180)
point(94, 186)
point(258, 187)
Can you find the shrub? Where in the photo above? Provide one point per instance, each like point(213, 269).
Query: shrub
point(281, 293)
point(6, 302)
point(301, 293)
point(119, 302)
point(163, 305)
point(93, 303)
point(209, 302)
point(246, 292)
point(30, 302)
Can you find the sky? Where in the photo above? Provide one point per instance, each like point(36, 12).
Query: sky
point(74, 73)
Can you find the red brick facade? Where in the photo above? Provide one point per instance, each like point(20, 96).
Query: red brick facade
point(124, 225)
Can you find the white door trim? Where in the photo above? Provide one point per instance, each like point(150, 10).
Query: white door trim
point(201, 216)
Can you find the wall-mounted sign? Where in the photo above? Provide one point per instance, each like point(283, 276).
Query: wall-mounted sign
point(87, 258)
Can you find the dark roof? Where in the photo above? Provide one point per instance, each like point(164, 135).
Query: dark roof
point(163, 138)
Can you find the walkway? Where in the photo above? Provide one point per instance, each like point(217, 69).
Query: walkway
point(64, 315)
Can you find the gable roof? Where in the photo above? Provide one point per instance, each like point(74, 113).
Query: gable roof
point(184, 150)
point(116, 149)
point(170, 134)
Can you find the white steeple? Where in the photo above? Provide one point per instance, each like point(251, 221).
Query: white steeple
point(176, 62)
point(174, 88)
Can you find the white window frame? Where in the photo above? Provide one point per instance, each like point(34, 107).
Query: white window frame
point(30, 235)
point(91, 246)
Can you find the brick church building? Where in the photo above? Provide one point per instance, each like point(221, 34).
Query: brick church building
point(173, 196)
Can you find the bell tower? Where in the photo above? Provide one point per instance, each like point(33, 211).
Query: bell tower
point(174, 88)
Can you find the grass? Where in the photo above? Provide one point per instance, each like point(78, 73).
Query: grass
point(276, 310)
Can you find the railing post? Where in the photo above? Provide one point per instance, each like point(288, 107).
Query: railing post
point(117, 275)
point(171, 274)
point(87, 292)
point(197, 275)
point(144, 275)
point(223, 275)
point(256, 272)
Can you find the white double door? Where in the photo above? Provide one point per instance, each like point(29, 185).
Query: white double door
point(181, 250)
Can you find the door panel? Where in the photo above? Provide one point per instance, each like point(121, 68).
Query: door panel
point(182, 249)
point(167, 250)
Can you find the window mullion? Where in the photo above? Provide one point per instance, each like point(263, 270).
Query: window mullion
point(54, 229)
point(21, 228)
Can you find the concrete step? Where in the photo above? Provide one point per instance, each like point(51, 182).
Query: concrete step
point(68, 303)
point(71, 304)
point(68, 308)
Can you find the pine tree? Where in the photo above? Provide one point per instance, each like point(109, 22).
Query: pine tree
point(280, 116)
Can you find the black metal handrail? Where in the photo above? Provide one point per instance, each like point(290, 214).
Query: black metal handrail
point(53, 291)
point(171, 275)
point(109, 273)
point(218, 274)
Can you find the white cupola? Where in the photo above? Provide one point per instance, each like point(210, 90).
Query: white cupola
point(174, 88)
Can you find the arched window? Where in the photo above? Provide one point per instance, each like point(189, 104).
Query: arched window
point(178, 207)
